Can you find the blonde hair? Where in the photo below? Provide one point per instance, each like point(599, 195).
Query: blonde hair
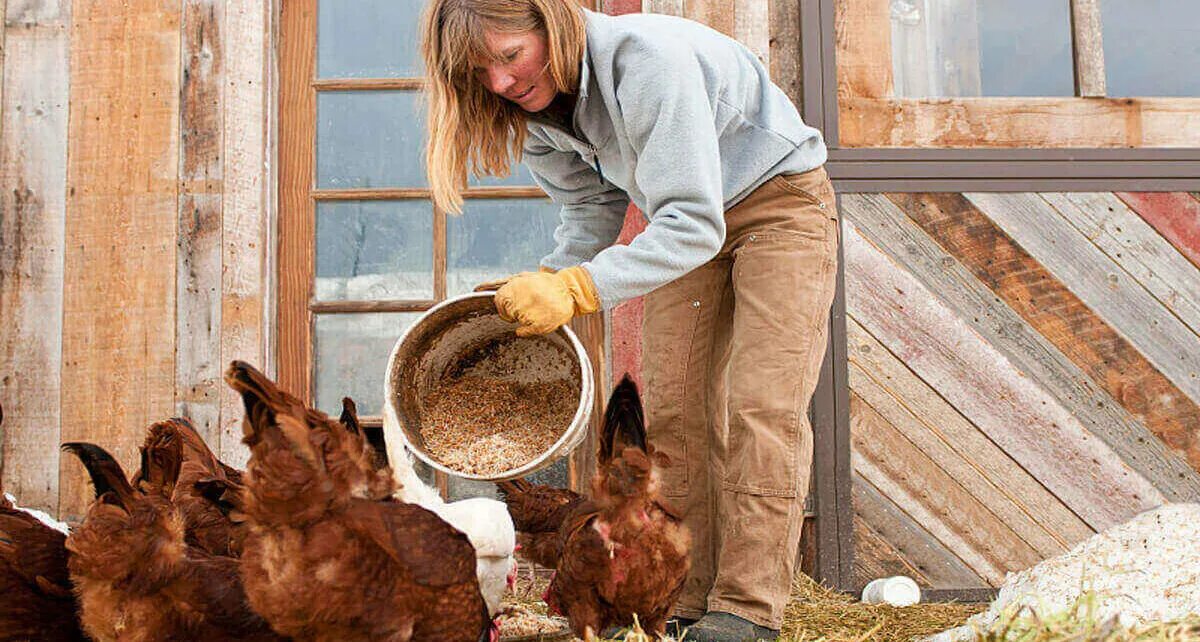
point(468, 124)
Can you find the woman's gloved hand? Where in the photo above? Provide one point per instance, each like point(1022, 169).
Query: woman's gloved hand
point(541, 302)
point(491, 286)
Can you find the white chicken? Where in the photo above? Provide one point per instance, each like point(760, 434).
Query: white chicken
point(485, 522)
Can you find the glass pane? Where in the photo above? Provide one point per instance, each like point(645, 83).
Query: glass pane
point(520, 176)
point(495, 237)
point(368, 38)
point(949, 48)
point(554, 475)
point(557, 474)
point(370, 139)
point(374, 250)
point(351, 353)
point(1151, 47)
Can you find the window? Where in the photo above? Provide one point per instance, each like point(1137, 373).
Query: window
point(363, 251)
point(1017, 73)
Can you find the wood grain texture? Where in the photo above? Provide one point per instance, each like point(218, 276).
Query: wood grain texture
point(246, 223)
point(1048, 306)
point(746, 21)
point(1037, 358)
point(1101, 284)
point(33, 176)
point(1088, 38)
point(1019, 122)
point(198, 364)
point(948, 537)
point(1134, 245)
point(939, 496)
point(119, 279)
point(1176, 216)
point(297, 157)
point(935, 565)
point(786, 68)
point(863, 35)
point(582, 465)
point(1012, 409)
point(977, 464)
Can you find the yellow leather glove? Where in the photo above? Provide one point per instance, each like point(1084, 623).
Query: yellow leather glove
point(490, 286)
point(543, 301)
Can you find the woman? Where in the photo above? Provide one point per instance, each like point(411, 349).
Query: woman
point(737, 263)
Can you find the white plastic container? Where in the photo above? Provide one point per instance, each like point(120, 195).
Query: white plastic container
point(897, 591)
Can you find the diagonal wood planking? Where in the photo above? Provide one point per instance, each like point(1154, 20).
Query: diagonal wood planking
point(900, 541)
point(1007, 405)
point(947, 536)
point(1175, 215)
point(906, 467)
point(976, 463)
point(119, 276)
point(198, 260)
point(888, 227)
point(1133, 244)
point(33, 175)
point(1122, 302)
point(1046, 304)
point(246, 289)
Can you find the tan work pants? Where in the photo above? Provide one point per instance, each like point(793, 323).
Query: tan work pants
point(732, 352)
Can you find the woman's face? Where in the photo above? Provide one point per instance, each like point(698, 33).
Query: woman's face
point(521, 73)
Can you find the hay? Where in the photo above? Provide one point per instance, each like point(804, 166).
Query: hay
point(818, 614)
point(1082, 622)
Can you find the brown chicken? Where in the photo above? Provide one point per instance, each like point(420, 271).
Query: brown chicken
point(328, 557)
point(135, 576)
point(207, 493)
point(620, 553)
point(36, 602)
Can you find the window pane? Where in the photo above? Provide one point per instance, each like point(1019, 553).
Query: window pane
point(351, 353)
point(950, 48)
point(368, 38)
point(370, 139)
point(495, 237)
point(555, 474)
point(374, 250)
point(1151, 47)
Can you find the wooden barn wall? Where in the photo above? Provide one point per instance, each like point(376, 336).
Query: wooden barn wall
point(1023, 371)
point(134, 162)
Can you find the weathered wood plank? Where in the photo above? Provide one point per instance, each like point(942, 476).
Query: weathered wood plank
point(1123, 303)
point(119, 285)
point(1019, 122)
point(1089, 48)
point(1008, 406)
point(863, 33)
point(786, 68)
point(935, 564)
point(1058, 315)
point(948, 538)
point(888, 227)
point(986, 471)
point(1131, 243)
point(198, 364)
point(746, 21)
point(940, 496)
point(1174, 214)
point(246, 291)
point(582, 464)
point(875, 557)
point(33, 176)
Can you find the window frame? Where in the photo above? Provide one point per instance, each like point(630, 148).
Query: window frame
point(878, 169)
point(298, 196)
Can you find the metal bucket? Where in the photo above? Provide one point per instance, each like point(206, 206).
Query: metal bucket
point(458, 328)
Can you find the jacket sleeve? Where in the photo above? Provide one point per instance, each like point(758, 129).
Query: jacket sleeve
point(593, 210)
point(668, 117)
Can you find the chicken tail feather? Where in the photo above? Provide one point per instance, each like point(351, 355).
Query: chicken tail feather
point(162, 457)
point(624, 423)
point(349, 416)
point(106, 473)
point(260, 396)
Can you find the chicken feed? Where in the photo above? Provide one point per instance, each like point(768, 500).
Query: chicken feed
point(500, 407)
point(522, 622)
point(1143, 571)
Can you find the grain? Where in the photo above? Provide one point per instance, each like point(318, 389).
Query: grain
point(520, 621)
point(486, 426)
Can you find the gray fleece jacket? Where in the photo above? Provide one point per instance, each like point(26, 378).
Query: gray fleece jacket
point(679, 119)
